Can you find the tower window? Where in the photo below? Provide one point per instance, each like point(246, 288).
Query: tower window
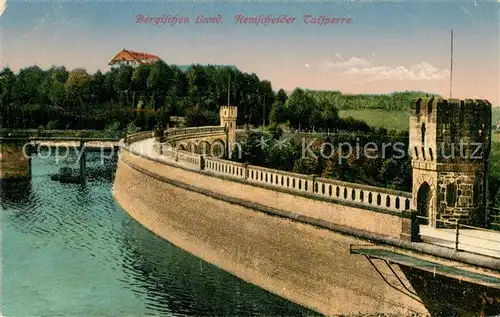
point(451, 194)
point(416, 153)
point(422, 130)
point(477, 191)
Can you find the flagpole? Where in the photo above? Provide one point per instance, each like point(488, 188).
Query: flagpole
point(451, 63)
point(228, 89)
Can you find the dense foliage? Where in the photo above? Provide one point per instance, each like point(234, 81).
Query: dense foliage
point(319, 110)
point(62, 99)
point(145, 96)
point(344, 158)
point(390, 102)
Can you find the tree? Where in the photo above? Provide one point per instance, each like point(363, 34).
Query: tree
point(78, 84)
point(7, 82)
point(253, 148)
point(77, 92)
point(26, 89)
point(305, 165)
point(281, 96)
point(316, 119)
point(197, 81)
point(140, 77)
point(123, 83)
point(159, 82)
point(496, 199)
point(389, 170)
point(281, 156)
point(278, 113)
point(196, 116)
point(299, 108)
point(330, 115)
point(98, 92)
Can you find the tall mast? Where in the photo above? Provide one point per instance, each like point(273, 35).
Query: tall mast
point(228, 88)
point(451, 63)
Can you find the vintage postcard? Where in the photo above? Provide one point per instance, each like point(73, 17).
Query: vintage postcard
point(249, 158)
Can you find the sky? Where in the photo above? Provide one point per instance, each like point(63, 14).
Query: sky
point(386, 47)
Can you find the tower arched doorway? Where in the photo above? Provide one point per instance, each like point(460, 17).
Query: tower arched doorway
point(423, 203)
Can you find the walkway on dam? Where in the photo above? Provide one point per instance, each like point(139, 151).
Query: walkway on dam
point(483, 242)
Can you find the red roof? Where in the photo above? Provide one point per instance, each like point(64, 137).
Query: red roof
point(127, 55)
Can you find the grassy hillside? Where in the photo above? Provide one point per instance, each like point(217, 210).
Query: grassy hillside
point(391, 120)
point(389, 102)
point(496, 115)
point(397, 119)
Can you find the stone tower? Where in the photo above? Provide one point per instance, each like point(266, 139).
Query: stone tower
point(450, 144)
point(228, 116)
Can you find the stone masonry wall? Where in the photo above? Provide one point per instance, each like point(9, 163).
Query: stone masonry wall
point(14, 164)
point(309, 266)
point(460, 196)
point(450, 141)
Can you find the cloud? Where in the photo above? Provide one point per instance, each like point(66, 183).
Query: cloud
point(351, 62)
point(360, 67)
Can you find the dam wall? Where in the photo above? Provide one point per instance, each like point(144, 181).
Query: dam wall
point(218, 220)
point(255, 223)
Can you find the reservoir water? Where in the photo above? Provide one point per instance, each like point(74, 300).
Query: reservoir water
point(70, 250)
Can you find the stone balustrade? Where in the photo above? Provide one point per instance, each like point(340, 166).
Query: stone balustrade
point(188, 132)
point(363, 195)
point(189, 159)
point(135, 137)
point(225, 167)
point(336, 191)
point(281, 179)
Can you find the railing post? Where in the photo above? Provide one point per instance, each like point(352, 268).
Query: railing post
point(83, 161)
point(246, 171)
point(313, 185)
point(415, 227)
point(457, 229)
point(202, 162)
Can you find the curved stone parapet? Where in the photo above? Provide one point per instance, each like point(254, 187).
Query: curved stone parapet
point(391, 204)
point(256, 222)
point(234, 226)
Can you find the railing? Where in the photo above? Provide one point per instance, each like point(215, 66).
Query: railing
point(192, 131)
point(74, 139)
point(495, 221)
point(460, 237)
point(190, 159)
point(224, 167)
point(364, 196)
point(139, 136)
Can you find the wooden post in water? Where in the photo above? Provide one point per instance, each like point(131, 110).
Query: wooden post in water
point(83, 162)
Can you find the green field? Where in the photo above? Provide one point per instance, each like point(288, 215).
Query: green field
point(391, 120)
point(395, 120)
point(494, 160)
point(496, 115)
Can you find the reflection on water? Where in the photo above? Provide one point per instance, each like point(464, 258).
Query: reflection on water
point(14, 192)
point(68, 249)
